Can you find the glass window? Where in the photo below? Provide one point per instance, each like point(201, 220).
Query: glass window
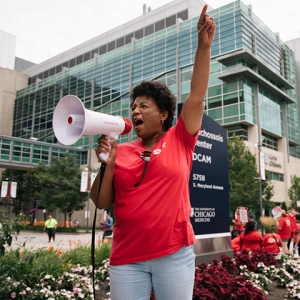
point(160, 25)
point(46, 74)
point(52, 71)
point(120, 42)
point(185, 87)
point(270, 141)
point(139, 33)
point(230, 99)
point(171, 80)
point(232, 110)
point(149, 29)
point(276, 176)
point(214, 102)
point(65, 64)
point(86, 56)
point(215, 113)
point(183, 15)
point(111, 46)
point(213, 79)
point(97, 50)
point(79, 59)
point(237, 130)
point(214, 68)
point(102, 49)
point(186, 76)
point(170, 21)
point(229, 87)
point(128, 38)
point(72, 63)
point(214, 90)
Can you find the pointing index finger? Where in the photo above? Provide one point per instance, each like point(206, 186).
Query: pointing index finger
point(203, 14)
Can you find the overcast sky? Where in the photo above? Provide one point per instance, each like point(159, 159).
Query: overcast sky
point(45, 28)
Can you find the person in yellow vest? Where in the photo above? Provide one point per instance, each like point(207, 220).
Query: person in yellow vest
point(50, 225)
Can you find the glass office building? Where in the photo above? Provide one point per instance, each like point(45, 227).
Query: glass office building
point(252, 87)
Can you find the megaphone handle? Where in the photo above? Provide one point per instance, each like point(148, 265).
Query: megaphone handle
point(104, 156)
point(114, 136)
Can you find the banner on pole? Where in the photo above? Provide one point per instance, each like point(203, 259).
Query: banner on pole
point(84, 182)
point(13, 189)
point(87, 180)
point(262, 166)
point(9, 189)
point(4, 188)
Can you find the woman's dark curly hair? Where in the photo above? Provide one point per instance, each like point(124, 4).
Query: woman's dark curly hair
point(162, 96)
point(249, 227)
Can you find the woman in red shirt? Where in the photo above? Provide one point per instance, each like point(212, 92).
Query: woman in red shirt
point(237, 224)
point(284, 230)
point(272, 241)
point(250, 238)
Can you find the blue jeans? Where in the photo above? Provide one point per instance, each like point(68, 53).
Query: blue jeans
point(171, 277)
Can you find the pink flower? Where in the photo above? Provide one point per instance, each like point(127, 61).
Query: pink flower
point(13, 295)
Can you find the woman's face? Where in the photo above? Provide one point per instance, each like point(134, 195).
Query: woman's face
point(146, 117)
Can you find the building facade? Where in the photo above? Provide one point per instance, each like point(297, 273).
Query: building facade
point(252, 87)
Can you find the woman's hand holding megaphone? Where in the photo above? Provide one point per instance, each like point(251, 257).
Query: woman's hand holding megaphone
point(106, 146)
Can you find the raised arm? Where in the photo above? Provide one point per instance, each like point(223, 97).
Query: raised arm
point(193, 107)
point(104, 197)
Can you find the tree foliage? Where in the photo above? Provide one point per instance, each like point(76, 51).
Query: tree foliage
point(25, 194)
point(294, 191)
point(60, 185)
point(244, 178)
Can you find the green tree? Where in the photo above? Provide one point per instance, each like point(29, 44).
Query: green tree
point(24, 200)
point(60, 185)
point(294, 190)
point(244, 178)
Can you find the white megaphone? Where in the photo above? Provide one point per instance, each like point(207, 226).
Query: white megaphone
point(71, 120)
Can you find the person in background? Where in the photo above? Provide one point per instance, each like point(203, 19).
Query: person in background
point(292, 218)
point(238, 226)
point(107, 231)
point(250, 238)
point(296, 236)
point(147, 182)
point(50, 225)
point(284, 230)
point(272, 241)
point(236, 242)
point(251, 218)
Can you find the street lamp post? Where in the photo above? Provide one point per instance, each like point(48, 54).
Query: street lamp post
point(44, 212)
point(85, 186)
point(88, 200)
point(260, 185)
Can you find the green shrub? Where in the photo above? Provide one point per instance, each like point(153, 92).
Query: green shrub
point(33, 265)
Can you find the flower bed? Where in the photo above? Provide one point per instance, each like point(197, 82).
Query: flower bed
point(57, 274)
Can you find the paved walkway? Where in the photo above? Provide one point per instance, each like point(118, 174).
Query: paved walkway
point(37, 240)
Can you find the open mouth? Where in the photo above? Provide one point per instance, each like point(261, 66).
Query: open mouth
point(138, 123)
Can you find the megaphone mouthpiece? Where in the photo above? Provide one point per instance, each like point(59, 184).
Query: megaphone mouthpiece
point(128, 126)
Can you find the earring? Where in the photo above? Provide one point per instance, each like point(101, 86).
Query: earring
point(162, 121)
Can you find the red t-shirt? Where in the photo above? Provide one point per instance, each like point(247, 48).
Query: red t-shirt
point(285, 224)
point(296, 231)
point(293, 221)
point(269, 243)
point(236, 244)
point(153, 219)
point(238, 227)
point(251, 241)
